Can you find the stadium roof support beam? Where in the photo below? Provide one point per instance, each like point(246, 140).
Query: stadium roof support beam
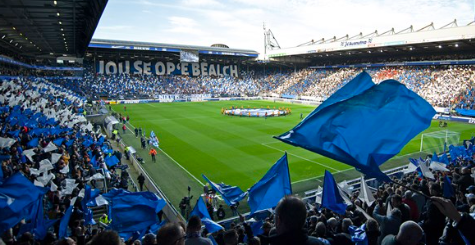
point(387, 33)
point(357, 36)
point(427, 27)
point(451, 24)
point(372, 34)
point(407, 30)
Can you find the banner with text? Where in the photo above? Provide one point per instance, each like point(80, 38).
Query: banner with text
point(166, 68)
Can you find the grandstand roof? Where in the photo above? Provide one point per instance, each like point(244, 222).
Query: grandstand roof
point(48, 27)
point(148, 46)
point(448, 39)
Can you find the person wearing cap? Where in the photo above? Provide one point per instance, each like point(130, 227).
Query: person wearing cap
point(471, 189)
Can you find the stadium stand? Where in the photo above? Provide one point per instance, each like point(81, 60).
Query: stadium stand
point(62, 181)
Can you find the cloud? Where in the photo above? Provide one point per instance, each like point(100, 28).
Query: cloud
point(115, 28)
point(238, 23)
point(201, 3)
point(183, 25)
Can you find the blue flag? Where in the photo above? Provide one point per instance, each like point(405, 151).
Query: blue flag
point(89, 195)
point(444, 159)
point(63, 225)
point(1, 176)
point(201, 211)
point(153, 139)
point(33, 143)
point(268, 191)
point(58, 142)
point(94, 161)
point(331, 197)
point(358, 234)
point(448, 188)
point(133, 211)
point(230, 194)
point(18, 198)
point(355, 130)
point(434, 158)
point(111, 160)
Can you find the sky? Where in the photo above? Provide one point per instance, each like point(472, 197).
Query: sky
point(239, 23)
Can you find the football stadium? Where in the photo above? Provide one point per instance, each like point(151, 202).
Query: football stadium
point(358, 139)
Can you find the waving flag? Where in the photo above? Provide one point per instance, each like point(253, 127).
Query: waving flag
point(365, 193)
point(201, 211)
point(230, 194)
point(111, 160)
point(18, 198)
point(268, 191)
point(153, 139)
point(449, 191)
point(352, 125)
point(133, 211)
point(331, 197)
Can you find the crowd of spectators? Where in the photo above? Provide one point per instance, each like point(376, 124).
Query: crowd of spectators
point(444, 86)
point(45, 138)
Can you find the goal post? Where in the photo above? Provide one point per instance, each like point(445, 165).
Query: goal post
point(434, 141)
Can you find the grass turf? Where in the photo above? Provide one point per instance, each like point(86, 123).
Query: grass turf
point(196, 139)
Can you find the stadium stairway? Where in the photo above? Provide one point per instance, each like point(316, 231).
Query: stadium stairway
point(98, 212)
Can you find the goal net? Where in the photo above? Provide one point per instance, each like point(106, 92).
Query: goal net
point(434, 141)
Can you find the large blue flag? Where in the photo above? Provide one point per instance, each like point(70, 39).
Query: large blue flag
point(268, 191)
point(201, 211)
point(89, 195)
point(363, 129)
point(331, 197)
point(111, 160)
point(231, 194)
point(63, 225)
point(448, 188)
point(18, 198)
point(133, 211)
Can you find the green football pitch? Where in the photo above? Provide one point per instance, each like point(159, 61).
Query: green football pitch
point(195, 138)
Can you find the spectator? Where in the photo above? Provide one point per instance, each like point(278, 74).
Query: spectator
point(410, 233)
point(193, 236)
point(290, 219)
point(171, 234)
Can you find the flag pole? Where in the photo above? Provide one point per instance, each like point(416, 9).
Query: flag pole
point(410, 188)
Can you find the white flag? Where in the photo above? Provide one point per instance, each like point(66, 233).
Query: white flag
point(55, 157)
point(53, 187)
point(437, 166)
point(345, 187)
point(425, 171)
point(410, 168)
point(50, 147)
point(64, 170)
point(101, 201)
point(365, 193)
point(6, 142)
point(45, 165)
point(38, 183)
point(29, 154)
